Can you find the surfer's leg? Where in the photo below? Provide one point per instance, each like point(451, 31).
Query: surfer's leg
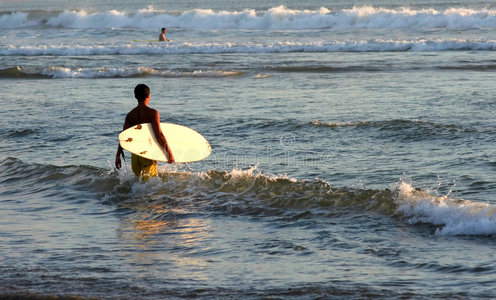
point(148, 167)
point(135, 164)
point(143, 167)
point(150, 170)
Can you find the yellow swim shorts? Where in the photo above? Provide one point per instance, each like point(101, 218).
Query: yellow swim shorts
point(143, 167)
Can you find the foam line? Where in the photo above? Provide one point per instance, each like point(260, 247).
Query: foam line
point(420, 45)
point(454, 216)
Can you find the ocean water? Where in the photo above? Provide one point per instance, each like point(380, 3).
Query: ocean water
point(353, 150)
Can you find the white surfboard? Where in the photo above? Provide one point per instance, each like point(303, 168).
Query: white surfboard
point(186, 144)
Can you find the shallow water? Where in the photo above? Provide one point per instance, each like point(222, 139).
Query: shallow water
point(352, 150)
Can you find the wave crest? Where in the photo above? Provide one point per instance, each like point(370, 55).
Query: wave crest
point(454, 216)
point(250, 192)
point(276, 18)
point(66, 72)
point(137, 48)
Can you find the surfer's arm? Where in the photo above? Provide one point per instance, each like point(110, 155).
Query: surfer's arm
point(118, 163)
point(165, 145)
point(120, 151)
point(161, 137)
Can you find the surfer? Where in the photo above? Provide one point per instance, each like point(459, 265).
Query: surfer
point(143, 114)
point(161, 37)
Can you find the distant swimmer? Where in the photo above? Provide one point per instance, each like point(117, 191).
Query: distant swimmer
point(162, 37)
point(144, 114)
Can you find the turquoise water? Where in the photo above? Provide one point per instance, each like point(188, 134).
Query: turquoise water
point(352, 150)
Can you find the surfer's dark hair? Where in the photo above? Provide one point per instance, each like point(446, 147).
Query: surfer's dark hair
point(141, 91)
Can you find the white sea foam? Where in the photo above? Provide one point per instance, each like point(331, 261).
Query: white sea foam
point(279, 17)
point(16, 20)
point(420, 45)
point(455, 216)
point(66, 72)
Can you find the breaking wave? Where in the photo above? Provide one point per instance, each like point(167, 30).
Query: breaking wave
point(453, 216)
point(250, 192)
point(230, 47)
point(66, 72)
point(278, 18)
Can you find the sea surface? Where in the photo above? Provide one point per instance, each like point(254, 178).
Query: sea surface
point(353, 150)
